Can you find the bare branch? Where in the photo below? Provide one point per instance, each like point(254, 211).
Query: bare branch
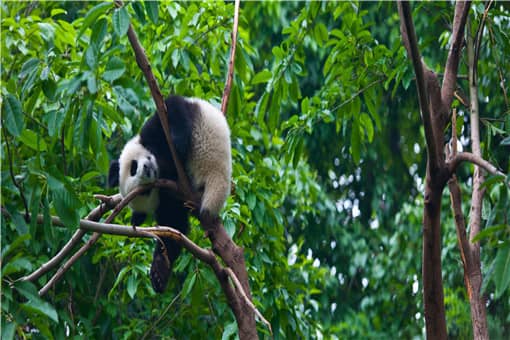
point(411, 44)
point(452, 63)
point(241, 291)
point(230, 74)
point(455, 161)
point(93, 239)
point(94, 215)
point(479, 35)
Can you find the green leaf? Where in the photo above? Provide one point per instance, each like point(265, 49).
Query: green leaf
point(229, 331)
point(13, 115)
point(99, 31)
point(91, 82)
point(115, 68)
point(120, 276)
point(32, 140)
point(91, 57)
point(152, 10)
point(35, 303)
point(262, 77)
point(501, 276)
point(120, 21)
point(132, 286)
point(92, 15)
point(54, 120)
point(17, 243)
point(505, 141)
point(8, 330)
point(66, 202)
point(17, 266)
point(489, 231)
point(188, 284)
point(367, 124)
point(41, 307)
point(28, 67)
point(49, 88)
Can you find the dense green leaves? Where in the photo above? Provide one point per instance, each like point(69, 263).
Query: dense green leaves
point(328, 166)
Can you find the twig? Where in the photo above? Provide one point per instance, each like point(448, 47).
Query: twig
point(11, 172)
point(240, 289)
point(452, 62)
point(230, 74)
point(479, 32)
point(357, 94)
point(147, 332)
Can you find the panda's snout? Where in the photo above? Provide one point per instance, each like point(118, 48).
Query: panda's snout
point(149, 171)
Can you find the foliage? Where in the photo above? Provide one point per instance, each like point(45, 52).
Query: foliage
point(327, 159)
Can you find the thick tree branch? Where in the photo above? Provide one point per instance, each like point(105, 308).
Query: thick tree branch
point(230, 74)
point(456, 160)
point(452, 62)
point(472, 270)
point(411, 44)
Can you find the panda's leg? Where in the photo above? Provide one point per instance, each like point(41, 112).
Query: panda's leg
point(137, 218)
point(216, 191)
point(170, 213)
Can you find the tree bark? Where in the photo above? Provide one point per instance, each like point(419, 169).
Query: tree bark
point(435, 102)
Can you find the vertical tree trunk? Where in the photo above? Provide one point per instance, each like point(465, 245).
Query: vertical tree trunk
point(435, 319)
point(473, 275)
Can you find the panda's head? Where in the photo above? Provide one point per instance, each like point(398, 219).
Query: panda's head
point(135, 166)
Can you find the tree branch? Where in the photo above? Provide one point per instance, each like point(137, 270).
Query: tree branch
point(241, 291)
point(455, 161)
point(411, 44)
point(230, 74)
point(452, 62)
point(93, 239)
point(144, 65)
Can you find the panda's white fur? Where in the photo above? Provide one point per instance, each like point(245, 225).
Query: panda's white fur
point(146, 172)
point(209, 165)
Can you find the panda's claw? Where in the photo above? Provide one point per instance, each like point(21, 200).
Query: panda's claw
point(192, 206)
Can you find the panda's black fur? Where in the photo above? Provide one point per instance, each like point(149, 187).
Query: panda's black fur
point(202, 140)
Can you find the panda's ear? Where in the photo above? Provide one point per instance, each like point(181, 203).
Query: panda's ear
point(113, 174)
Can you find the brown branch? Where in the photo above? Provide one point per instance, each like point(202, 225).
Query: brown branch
point(94, 215)
point(455, 161)
point(230, 74)
point(144, 65)
point(411, 44)
point(93, 239)
point(479, 34)
point(452, 62)
point(241, 291)
point(472, 269)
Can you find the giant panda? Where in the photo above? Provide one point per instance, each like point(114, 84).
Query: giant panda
point(201, 137)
